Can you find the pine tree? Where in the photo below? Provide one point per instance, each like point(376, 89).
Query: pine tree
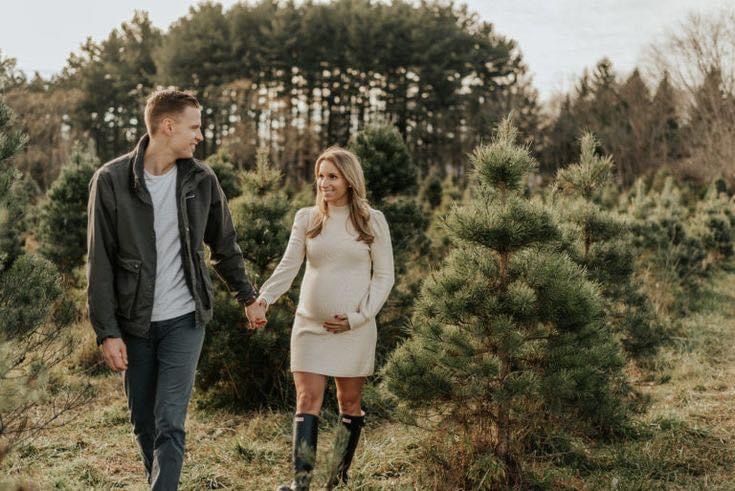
point(663, 234)
point(392, 183)
point(226, 175)
point(600, 241)
point(386, 163)
point(34, 313)
point(62, 231)
point(250, 368)
point(667, 138)
point(508, 331)
point(11, 212)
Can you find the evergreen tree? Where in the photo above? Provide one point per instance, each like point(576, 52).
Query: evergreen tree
point(667, 139)
point(62, 231)
point(431, 191)
point(392, 182)
point(664, 237)
point(226, 175)
point(34, 313)
point(11, 210)
point(250, 368)
point(113, 77)
point(508, 331)
point(452, 195)
point(386, 163)
point(713, 220)
point(600, 241)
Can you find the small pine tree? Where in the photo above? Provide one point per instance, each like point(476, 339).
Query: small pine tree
point(715, 215)
point(11, 211)
point(507, 332)
point(600, 241)
point(34, 313)
point(226, 175)
point(386, 162)
point(431, 191)
point(62, 230)
point(664, 236)
point(249, 369)
point(392, 181)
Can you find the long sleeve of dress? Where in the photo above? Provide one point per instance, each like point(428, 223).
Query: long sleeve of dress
point(383, 274)
point(284, 274)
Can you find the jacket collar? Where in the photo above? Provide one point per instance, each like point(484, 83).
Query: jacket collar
point(137, 179)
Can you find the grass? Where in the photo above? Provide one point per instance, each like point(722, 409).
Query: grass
point(686, 440)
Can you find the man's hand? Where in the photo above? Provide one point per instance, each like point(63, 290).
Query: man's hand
point(255, 312)
point(337, 324)
point(115, 354)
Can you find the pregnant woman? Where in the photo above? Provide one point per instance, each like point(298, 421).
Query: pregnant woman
point(349, 274)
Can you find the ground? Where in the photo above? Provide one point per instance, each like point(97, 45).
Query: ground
point(686, 439)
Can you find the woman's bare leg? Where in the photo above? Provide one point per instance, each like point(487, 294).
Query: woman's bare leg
point(309, 392)
point(349, 395)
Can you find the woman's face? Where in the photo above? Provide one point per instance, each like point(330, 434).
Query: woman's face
point(332, 184)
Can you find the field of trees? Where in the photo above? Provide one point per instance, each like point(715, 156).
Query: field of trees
point(563, 315)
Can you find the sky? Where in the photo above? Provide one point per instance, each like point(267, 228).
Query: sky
point(558, 38)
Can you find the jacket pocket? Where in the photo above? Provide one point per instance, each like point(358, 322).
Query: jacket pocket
point(205, 280)
point(127, 280)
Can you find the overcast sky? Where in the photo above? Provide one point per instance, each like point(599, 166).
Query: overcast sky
point(558, 38)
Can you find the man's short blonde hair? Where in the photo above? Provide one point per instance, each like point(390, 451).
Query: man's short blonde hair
point(168, 102)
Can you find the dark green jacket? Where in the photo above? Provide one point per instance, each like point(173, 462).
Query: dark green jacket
point(121, 242)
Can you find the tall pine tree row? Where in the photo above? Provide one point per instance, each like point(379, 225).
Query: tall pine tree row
point(507, 334)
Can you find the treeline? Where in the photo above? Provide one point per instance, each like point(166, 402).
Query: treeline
point(293, 78)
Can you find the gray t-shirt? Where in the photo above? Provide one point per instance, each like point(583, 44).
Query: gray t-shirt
point(172, 296)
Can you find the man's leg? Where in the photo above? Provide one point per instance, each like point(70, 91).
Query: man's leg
point(140, 388)
point(179, 345)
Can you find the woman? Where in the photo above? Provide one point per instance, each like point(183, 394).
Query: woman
point(349, 274)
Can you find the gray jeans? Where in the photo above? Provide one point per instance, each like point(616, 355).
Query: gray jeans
point(158, 384)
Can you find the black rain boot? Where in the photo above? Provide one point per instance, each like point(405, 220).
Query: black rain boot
point(353, 425)
point(305, 434)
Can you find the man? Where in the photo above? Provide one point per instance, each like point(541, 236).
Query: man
point(149, 293)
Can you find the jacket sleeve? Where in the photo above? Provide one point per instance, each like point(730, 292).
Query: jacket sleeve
point(383, 277)
point(221, 238)
point(101, 253)
point(290, 264)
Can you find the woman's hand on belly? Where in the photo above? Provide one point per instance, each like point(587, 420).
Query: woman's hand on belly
point(337, 324)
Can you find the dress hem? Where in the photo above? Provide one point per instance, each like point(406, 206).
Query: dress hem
point(327, 373)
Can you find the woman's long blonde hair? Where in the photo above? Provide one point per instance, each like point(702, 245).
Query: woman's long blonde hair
point(349, 165)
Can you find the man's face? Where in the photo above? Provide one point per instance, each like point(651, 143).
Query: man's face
point(185, 132)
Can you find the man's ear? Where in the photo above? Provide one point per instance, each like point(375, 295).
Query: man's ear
point(167, 126)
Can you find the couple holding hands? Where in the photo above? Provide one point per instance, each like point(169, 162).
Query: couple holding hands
point(150, 213)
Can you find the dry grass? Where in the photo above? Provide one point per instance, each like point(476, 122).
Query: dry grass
point(685, 441)
point(251, 451)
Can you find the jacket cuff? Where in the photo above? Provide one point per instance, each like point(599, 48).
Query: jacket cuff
point(247, 298)
point(101, 336)
point(356, 320)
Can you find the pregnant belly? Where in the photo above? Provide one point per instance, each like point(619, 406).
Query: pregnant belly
point(323, 296)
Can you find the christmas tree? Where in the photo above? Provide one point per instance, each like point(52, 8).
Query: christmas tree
point(238, 366)
point(508, 332)
point(600, 241)
point(34, 313)
point(62, 231)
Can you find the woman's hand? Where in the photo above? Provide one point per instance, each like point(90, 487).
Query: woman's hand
point(337, 324)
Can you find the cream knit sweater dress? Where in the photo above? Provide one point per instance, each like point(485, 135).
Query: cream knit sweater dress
point(343, 276)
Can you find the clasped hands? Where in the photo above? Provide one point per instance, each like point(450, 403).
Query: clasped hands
point(256, 311)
